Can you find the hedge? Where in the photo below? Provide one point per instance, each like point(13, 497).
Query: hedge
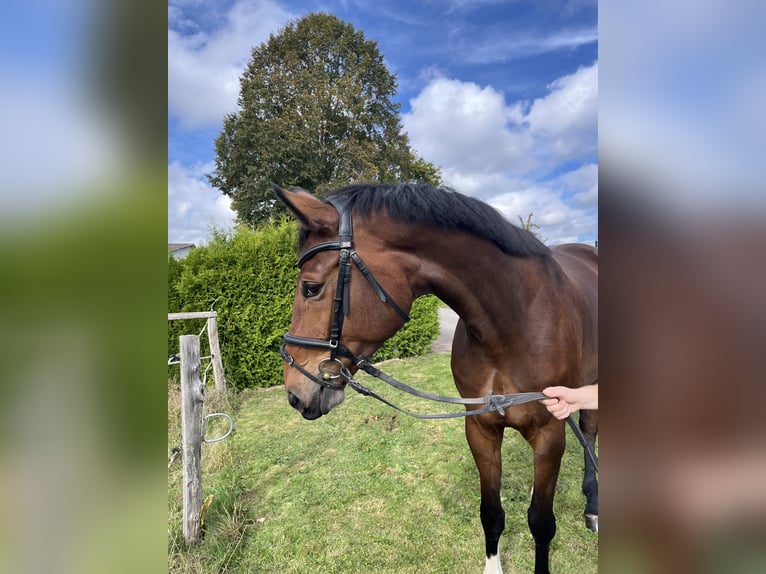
point(251, 275)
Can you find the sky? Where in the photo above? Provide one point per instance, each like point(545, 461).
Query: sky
point(500, 94)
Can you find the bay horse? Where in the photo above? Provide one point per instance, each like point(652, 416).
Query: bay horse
point(528, 320)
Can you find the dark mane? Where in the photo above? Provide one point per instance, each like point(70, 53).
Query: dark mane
point(444, 208)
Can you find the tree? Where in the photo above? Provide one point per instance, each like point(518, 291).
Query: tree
point(529, 225)
point(316, 111)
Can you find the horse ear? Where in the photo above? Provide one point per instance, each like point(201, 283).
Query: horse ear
point(311, 213)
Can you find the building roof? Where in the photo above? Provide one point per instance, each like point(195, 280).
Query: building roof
point(173, 247)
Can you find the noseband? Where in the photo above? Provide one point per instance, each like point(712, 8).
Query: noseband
point(331, 368)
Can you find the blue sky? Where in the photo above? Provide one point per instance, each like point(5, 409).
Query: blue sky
point(502, 95)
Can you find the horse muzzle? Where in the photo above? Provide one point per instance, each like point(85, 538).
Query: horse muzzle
point(320, 401)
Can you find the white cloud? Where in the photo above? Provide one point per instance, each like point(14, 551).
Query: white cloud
point(581, 184)
point(566, 120)
point(496, 150)
point(204, 67)
point(506, 47)
point(465, 127)
point(194, 205)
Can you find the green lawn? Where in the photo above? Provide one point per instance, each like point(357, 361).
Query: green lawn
point(364, 489)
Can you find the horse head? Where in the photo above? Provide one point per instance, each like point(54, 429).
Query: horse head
point(337, 318)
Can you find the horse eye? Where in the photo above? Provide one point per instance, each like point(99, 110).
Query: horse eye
point(309, 289)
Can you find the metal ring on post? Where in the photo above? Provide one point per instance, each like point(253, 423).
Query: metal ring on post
point(327, 375)
point(211, 415)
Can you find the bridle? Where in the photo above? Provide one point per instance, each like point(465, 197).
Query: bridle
point(345, 245)
point(333, 373)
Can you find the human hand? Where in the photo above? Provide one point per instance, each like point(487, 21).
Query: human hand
point(564, 400)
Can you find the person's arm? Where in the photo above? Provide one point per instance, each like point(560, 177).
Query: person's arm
point(564, 400)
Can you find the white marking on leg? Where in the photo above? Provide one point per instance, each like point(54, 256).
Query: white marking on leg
point(493, 564)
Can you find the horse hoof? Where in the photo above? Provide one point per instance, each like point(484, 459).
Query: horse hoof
point(591, 522)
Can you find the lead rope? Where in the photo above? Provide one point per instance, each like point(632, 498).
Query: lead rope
point(589, 450)
point(491, 402)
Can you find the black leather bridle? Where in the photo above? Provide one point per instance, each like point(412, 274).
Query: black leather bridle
point(331, 368)
point(333, 373)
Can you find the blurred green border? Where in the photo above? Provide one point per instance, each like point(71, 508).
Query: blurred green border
point(83, 332)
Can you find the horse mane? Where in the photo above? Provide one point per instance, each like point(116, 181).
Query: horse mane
point(444, 208)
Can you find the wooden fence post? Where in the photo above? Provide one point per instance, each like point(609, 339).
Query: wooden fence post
point(212, 337)
point(215, 351)
point(192, 399)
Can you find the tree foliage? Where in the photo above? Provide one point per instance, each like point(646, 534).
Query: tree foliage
point(250, 275)
point(316, 111)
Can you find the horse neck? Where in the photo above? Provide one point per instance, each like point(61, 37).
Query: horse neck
point(495, 294)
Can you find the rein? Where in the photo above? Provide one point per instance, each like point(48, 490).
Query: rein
point(333, 373)
point(491, 402)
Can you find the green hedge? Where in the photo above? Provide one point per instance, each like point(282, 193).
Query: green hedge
point(252, 274)
point(418, 333)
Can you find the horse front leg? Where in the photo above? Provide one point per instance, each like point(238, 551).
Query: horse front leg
point(548, 445)
point(589, 428)
point(485, 443)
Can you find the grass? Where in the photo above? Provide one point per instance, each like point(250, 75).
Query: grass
point(364, 489)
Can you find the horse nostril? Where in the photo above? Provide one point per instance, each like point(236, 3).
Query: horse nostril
point(294, 401)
